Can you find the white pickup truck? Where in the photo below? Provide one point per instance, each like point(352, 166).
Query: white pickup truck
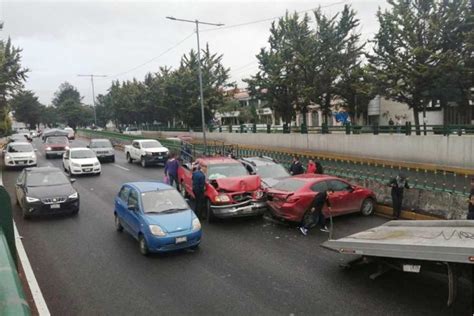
point(147, 151)
point(132, 131)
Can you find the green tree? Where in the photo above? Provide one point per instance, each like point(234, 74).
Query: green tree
point(415, 51)
point(67, 101)
point(49, 116)
point(12, 76)
point(27, 108)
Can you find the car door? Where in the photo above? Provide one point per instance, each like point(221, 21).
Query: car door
point(342, 200)
point(136, 150)
point(134, 216)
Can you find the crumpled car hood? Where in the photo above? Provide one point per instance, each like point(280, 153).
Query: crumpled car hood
point(238, 184)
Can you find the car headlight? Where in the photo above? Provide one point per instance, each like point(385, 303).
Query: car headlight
point(157, 230)
point(75, 165)
point(196, 224)
point(73, 196)
point(258, 194)
point(31, 199)
point(96, 163)
point(148, 153)
point(8, 157)
point(33, 156)
point(48, 148)
point(67, 147)
point(222, 198)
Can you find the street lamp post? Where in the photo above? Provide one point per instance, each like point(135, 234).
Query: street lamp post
point(203, 120)
point(93, 92)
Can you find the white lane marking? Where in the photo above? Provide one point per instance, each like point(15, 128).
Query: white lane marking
point(119, 166)
point(30, 277)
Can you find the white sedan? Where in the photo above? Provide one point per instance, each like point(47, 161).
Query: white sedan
point(81, 161)
point(19, 154)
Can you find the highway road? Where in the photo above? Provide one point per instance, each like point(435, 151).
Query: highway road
point(244, 267)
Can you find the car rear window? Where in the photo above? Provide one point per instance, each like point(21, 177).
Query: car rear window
point(57, 140)
point(101, 144)
point(290, 185)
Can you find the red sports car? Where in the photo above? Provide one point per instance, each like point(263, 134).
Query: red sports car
point(291, 198)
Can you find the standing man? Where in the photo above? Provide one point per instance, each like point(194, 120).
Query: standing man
point(398, 184)
point(470, 213)
point(321, 199)
point(199, 186)
point(296, 167)
point(171, 170)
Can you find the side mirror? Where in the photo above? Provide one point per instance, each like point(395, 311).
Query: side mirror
point(132, 208)
point(72, 180)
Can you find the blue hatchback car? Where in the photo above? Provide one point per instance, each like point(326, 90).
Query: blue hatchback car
point(157, 216)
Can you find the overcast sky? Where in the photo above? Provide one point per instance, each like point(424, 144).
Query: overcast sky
point(61, 39)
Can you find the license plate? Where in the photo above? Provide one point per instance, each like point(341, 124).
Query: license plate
point(22, 162)
point(413, 268)
point(88, 170)
point(181, 239)
point(55, 206)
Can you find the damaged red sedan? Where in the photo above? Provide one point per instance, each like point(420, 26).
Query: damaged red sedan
point(291, 198)
point(230, 190)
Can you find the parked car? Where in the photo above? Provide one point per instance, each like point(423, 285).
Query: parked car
point(157, 216)
point(291, 198)
point(55, 146)
point(147, 151)
point(132, 131)
point(81, 161)
point(45, 190)
point(269, 170)
point(33, 134)
point(70, 133)
point(19, 137)
point(19, 154)
point(230, 190)
point(103, 149)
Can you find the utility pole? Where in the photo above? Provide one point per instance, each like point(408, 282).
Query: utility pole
point(203, 120)
point(93, 92)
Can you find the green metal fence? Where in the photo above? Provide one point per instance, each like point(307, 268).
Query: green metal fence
point(433, 179)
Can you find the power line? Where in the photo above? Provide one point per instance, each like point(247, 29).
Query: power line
point(153, 59)
point(269, 19)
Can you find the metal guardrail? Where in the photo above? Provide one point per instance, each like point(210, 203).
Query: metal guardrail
point(436, 179)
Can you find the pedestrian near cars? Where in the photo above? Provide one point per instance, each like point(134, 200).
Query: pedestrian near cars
point(171, 170)
point(199, 187)
point(398, 185)
point(296, 167)
point(470, 211)
point(311, 167)
point(316, 210)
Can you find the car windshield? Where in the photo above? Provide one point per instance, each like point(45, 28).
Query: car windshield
point(290, 185)
point(101, 144)
point(152, 144)
point(163, 201)
point(20, 148)
point(57, 140)
point(272, 171)
point(83, 153)
point(37, 179)
point(218, 171)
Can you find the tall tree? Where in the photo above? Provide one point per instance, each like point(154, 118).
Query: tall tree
point(27, 108)
point(12, 76)
point(414, 49)
point(67, 101)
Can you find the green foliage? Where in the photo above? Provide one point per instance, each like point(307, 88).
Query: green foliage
point(69, 109)
point(27, 108)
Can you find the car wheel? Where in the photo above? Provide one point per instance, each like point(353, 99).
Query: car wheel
point(129, 159)
point(75, 212)
point(47, 156)
point(143, 162)
point(118, 225)
point(143, 245)
point(211, 218)
point(367, 207)
point(113, 159)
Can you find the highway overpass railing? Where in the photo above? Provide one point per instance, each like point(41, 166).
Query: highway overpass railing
point(421, 176)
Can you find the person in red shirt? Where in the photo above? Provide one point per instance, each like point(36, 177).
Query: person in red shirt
point(311, 168)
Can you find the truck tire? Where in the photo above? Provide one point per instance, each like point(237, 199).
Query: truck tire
point(129, 159)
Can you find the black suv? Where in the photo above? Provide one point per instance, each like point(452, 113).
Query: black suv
point(269, 170)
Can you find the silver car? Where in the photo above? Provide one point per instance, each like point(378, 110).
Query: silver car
point(103, 149)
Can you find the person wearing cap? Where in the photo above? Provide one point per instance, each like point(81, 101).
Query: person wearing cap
point(470, 210)
point(398, 185)
point(199, 187)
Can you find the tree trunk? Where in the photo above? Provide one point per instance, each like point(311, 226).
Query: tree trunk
point(417, 120)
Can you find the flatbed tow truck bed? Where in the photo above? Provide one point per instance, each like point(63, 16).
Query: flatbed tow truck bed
point(408, 246)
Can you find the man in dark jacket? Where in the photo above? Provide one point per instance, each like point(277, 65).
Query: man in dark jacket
point(470, 211)
point(296, 167)
point(398, 184)
point(199, 186)
point(171, 170)
point(318, 218)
